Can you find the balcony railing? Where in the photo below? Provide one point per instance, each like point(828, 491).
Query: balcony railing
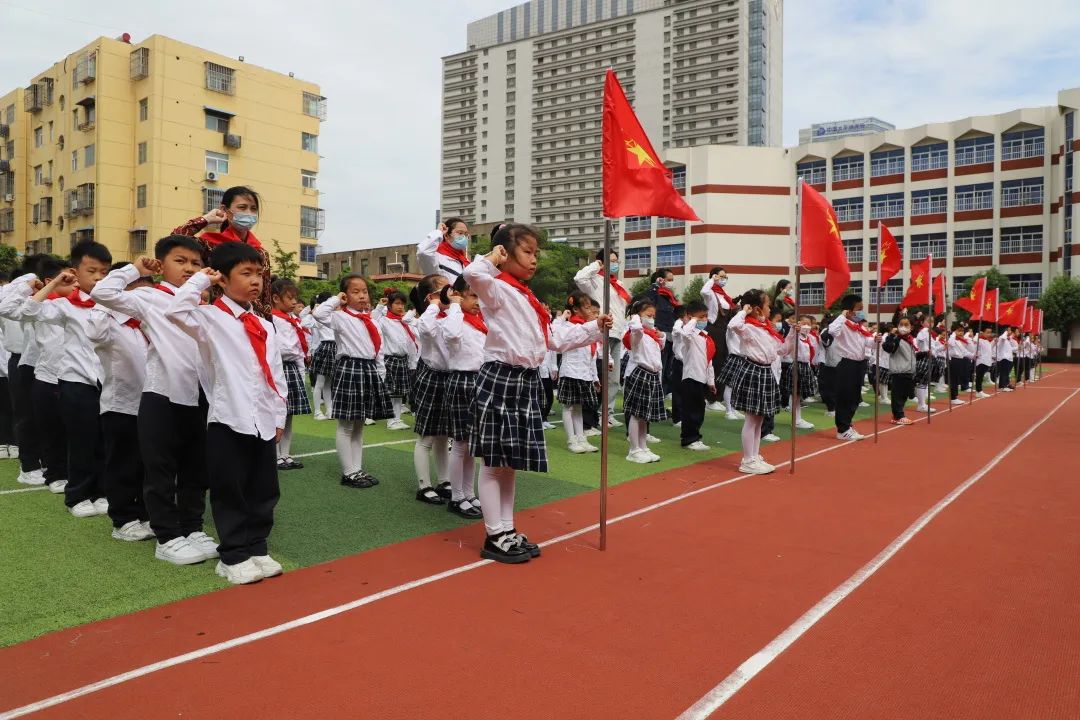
point(1016, 197)
point(889, 209)
point(982, 200)
point(847, 172)
point(849, 213)
point(974, 155)
point(929, 207)
point(1015, 150)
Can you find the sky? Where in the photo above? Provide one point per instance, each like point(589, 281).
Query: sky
point(379, 64)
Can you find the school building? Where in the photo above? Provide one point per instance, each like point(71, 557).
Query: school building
point(390, 262)
point(120, 142)
point(994, 190)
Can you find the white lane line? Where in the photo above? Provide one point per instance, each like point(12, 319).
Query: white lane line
point(743, 674)
point(24, 490)
point(368, 599)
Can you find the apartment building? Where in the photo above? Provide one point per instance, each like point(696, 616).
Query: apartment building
point(391, 262)
point(120, 143)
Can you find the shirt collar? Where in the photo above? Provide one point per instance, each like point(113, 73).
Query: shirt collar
point(236, 308)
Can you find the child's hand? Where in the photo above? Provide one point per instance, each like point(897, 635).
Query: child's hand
point(64, 279)
point(443, 229)
point(498, 255)
point(383, 301)
point(278, 434)
point(746, 309)
point(455, 299)
point(148, 266)
point(565, 315)
point(712, 389)
point(343, 298)
point(604, 322)
point(36, 284)
point(214, 275)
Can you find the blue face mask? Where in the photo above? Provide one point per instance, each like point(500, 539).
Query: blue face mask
point(615, 268)
point(459, 242)
point(860, 315)
point(244, 220)
point(701, 324)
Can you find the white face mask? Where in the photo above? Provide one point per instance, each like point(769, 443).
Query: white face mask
point(904, 330)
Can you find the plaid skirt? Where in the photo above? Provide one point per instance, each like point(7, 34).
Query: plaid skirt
point(754, 389)
point(398, 381)
point(732, 367)
point(460, 389)
point(643, 396)
point(322, 362)
point(884, 379)
point(357, 391)
point(507, 421)
point(808, 384)
point(297, 402)
point(922, 370)
point(938, 369)
point(429, 403)
point(578, 392)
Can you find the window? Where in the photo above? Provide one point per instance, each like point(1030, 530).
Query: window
point(217, 163)
point(308, 253)
point(1018, 193)
point(39, 175)
point(218, 122)
point(853, 248)
point(887, 206)
point(382, 265)
point(929, 157)
point(678, 177)
point(812, 171)
point(142, 153)
point(936, 244)
point(39, 136)
point(220, 78)
point(960, 286)
point(74, 160)
point(971, 243)
point(891, 294)
point(637, 222)
point(874, 247)
point(1024, 144)
point(1027, 285)
point(671, 255)
point(364, 267)
point(137, 241)
point(849, 167)
point(975, 151)
point(144, 109)
point(140, 196)
point(212, 198)
point(88, 156)
point(314, 105)
point(848, 209)
point(1026, 239)
point(811, 293)
point(663, 223)
point(975, 197)
point(929, 202)
point(308, 179)
point(309, 142)
point(312, 220)
point(139, 63)
point(639, 258)
point(887, 162)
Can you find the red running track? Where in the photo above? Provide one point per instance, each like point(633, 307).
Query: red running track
point(972, 619)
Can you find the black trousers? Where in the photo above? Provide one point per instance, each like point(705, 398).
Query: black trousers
point(901, 389)
point(980, 375)
point(693, 410)
point(243, 491)
point(676, 397)
point(669, 381)
point(547, 397)
point(957, 371)
point(123, 474)
point(7, 430)
point(21, 381)
point(849, 378)
point(969, 370)
point(768, 424)
point(1004, 368)
point(172, 439)
point(827, 386)
point(50, 428)
point(80, 409)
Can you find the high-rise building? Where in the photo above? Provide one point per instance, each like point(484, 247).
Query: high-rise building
point(820, 132)
point(522, 105)
point(120, 143)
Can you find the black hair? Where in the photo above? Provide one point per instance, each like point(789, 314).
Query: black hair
point(715, 270)
point(600, 254)
point(679, 311)
point(30, 264)
point(227, 256)
point(754, 298)
point(458, 286)
point(426, 286)
point(578, 299)
point(513, 234)
point(848, 302)
point(781, 285)
point(395, 296)
point(774, 312)
point(235, 192)
point(319, 299)
point(90, 249)
point(695, 307)
point(642, 303)
point(661, 273)
point(167, 244)
point(452, 221)
point(49, 267)
point(282, 286)
point(343, 284)
point(118, 265)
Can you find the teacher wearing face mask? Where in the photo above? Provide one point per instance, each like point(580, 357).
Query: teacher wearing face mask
point(720, 308)
point(236, 216)
point(445, 250)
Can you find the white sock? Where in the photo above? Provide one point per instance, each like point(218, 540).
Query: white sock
point(285, 443)
point(757, 420)
point(507, 484)
point(727, 398)
point(459, 457)
point(579, 422)
point(489, 491)
point(343, 442)
point(317, 391)
point(357, 441)
point(751, 430)
point(568, 423)
point(798, 409)
point(327, 397)
point(920, 396)
point(637, 433)
point(441, 448)
point(421, 461)
point(396, 403)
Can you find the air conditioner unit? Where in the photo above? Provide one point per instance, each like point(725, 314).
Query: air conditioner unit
point(9, 198)
point(74, 205)
point(232, 141)
point(46, 181)
point(211, 176)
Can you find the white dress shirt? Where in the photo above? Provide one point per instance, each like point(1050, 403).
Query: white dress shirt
point(696, 365)
point(432, 262)
point(239, 396)
point(122, 351)
point(922, 340)
point(938, 348)
point(1004, 348)
point(464, 343)
point(644, 351)
point(319, 333)
point(432, 349)
point(550, 364)
point(734, 342)
point(350, 333)
point(396, 338)
point(984, 352)
point(174, 366)
point(959, 348)
point(11, 330)
point(580, 362)
point(12, 297)
point(514, 333)
point(77, 361)
point(590, 281)
point(850, 344)
point(758, 344)
point(714, 302)
point(677, 339)
point(289, 342)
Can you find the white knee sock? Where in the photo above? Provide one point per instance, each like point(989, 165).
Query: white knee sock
point(489, 491)
point(751, 436)
point(758, 420)
point(798, 409)
point(343, 442)
point(317, 391)
point(637, 433)
point(441, 448)
point(568, 423)
point(462, 466)
point(357, 442)
point(285, 443)
point(396, 403)
point(507, 486)
point(579, 422)
point(920, 396)
point(327, 396)
point(421, 461)
point(727, 397)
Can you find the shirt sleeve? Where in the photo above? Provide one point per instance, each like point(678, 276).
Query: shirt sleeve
point(184, 309)
point(425, 252)
point(324, 312)
point(112, 293)
point(567, 336)
point(50, 312)
point(192, 227)
point(99, 327)
point(480, 274)
point(277, 371)
point(589, 281)
point(15, 294)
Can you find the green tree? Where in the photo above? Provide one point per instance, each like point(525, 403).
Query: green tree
point(1060, 303)
point(693, 289)
point(284, 264)
point(9, 259)
point(555, 270)
point(641, 285)
point(310, 288)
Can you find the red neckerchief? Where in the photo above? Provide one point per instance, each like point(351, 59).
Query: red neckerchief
point(136, 325)
point(296, 326)
point(809, 346)
point(164, 289)
point(710, 346)
point(751, 320)
point(213, 239)
point(858, 328)
point(577, 320)
point(646, 330)
point(910, 341)
point(401, 319)
point(788, 300)
point(53, 296)
point(664, 292)
point(445, 248)
point(477, 321)
point(962, 339)
point(541, 313)
point(78, 302)
point(256, 336)
point(373, 332)
point(616, 286)
point(720, 291)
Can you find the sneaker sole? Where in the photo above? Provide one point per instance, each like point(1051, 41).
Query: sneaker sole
point(505, 559)
point(179, 562)
point(753, 470)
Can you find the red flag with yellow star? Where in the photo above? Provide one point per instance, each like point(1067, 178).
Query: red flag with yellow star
point(939, 294)
point(820, 245)
point(1012, 313)
point(635, 181)
point(889, 256)
point(918, 292)
point(972, 302)
point(988, 311)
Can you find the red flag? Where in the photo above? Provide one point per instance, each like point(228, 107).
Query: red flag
point(918, 292)
point(1012, 313)
point(939, 294)
point(635, 181)
point(820, 244)
point(989, 310)
point(1038, 321)
point(1029, 320)
point(973, 301)
point(889, 256)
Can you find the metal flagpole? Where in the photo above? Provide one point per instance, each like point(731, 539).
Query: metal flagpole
point(975, 361)
point(930, 345)
point(948, 336)
point(604, 389)
point(877, 356)
point(795, 360)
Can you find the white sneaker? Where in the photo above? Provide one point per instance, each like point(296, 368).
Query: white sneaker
point(585, 446)
point(653, 457)
point(858, 435)
point(803, 424)
point(320, 415)
point(849, 435)
point(678, 424)
point(735, 415)
point(84, 509)
point(243, 573)
point(884, 401)
point(179, 551)
point(716, 406)
point(268, 566)
point(1006, 389)
point(102, 506)
point(641, 457)
point(592, 432)
point(13, 452)
point(204, 544)
point(864, 404)
point(651, 439)
point(761, 461)
point(613, 422)
point(830, 413)
point(771, 437)
point(56, 487)
point(5, 454)
point(367, 421)
point(396, 425)
point(751, 466)
point(132, 532)
point(547, 426)
point(698, 446)
point(574, 445)
point(981, 395)
point(957, 401)
point(31, 478)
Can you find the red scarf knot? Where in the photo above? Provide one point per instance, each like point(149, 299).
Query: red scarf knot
point(445, 248)
point(578, 320)
point(722, 293)
point(619, 289)
point(664, 292)
point(373, 332)
point(257, 337)
point(164, 289)
point(401, 319)
point(710, 346)
point(542, 316)
point(296, 326)
point(858, 328)
point(477, 321)
point(751, 320)
point(75, 299)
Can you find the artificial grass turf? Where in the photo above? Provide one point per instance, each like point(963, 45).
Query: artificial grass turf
point(60, 571)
